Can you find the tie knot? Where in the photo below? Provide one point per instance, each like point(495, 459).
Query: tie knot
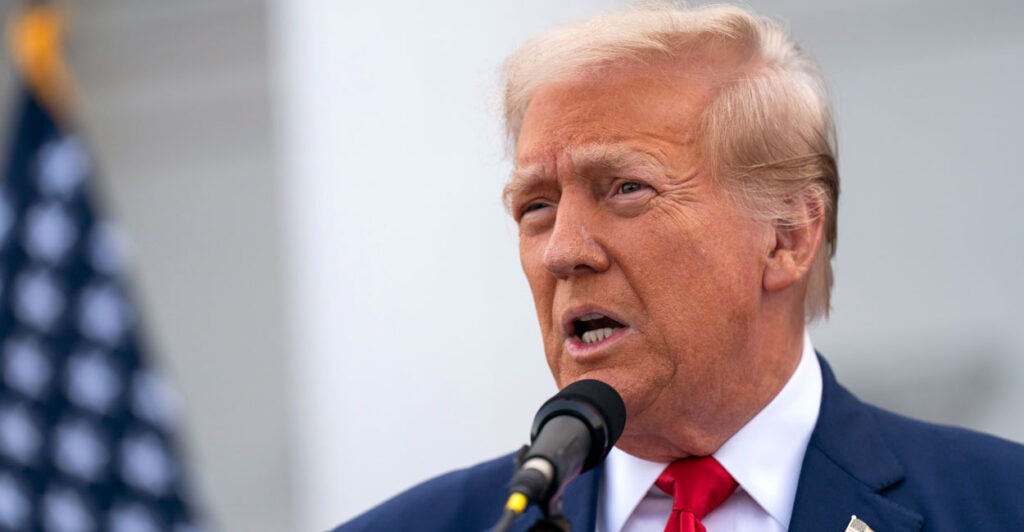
point(697, 485)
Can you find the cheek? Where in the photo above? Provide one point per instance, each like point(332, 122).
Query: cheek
point(540, 280)
point(542, 287)
point(692, 284)
point(706, 303)
point(530, 259)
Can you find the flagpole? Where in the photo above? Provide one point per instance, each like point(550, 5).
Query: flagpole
point(35, 38)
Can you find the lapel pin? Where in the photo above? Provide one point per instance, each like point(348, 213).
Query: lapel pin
point(856, 525)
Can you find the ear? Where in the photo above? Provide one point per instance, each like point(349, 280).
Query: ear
point(796, 244)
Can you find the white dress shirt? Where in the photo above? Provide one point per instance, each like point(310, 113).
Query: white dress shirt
point(765, 457)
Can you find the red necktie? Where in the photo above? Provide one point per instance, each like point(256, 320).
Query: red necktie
point(697, 486)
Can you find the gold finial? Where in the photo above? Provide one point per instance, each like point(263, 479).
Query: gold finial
point(35, 40)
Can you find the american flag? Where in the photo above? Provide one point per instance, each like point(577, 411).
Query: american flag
point(85, 425)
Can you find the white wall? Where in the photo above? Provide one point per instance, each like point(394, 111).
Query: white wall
point(415, 346)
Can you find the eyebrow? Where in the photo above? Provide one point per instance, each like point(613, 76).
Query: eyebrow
point(521, 180)
point(610, 158)
point(585, 159)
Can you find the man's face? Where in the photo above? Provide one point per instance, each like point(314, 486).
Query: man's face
point(644, 274)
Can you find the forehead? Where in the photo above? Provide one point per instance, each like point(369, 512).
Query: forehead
point(627, 117)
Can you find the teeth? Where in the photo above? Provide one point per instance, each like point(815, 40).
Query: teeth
point(593, 316)
point(596, 335)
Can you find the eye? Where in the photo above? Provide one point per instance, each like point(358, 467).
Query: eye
point(528, 210)
point(630, 187)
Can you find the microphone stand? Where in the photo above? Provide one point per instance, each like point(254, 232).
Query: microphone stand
point(548, 522)
point(552, 521)
point(551, 524)
point(552, 518)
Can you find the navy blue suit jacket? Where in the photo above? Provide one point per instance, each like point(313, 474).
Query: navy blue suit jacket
point(894, 473)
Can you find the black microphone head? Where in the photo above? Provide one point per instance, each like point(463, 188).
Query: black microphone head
point(595, 403)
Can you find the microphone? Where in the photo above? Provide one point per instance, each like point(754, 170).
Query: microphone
point(572, 433)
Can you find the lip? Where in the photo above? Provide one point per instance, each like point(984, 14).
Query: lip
point(575, 346)
point(581, 352)
point(575, 313)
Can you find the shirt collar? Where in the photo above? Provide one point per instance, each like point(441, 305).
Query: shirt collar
point(765, 456)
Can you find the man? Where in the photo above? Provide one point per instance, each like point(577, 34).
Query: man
point(675, 189)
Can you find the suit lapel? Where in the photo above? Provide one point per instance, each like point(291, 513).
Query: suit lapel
point(847, 467)
point(580, 500)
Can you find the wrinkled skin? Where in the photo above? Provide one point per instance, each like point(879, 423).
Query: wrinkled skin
point(618, 216)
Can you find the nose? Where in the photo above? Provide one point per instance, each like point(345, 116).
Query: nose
point(572, 248)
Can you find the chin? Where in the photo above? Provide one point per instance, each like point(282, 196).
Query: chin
point(610, 376)
point(652, 448)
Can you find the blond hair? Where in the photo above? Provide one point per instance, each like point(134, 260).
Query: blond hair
point(767, 135)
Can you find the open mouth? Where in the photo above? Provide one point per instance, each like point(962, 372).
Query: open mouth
point(593, 328)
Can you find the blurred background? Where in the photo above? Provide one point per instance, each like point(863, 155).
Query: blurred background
point(326, 273)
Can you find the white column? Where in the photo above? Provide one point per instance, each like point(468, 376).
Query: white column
point(413, 341)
